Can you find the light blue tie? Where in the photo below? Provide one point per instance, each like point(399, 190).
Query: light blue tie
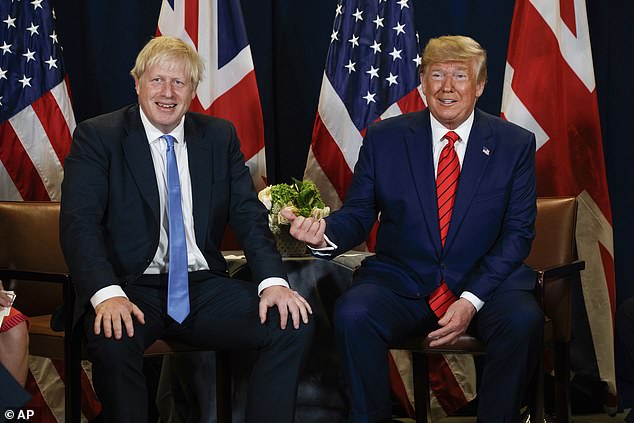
point(177, 284)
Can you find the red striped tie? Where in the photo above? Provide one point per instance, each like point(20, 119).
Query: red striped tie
point(446, 185)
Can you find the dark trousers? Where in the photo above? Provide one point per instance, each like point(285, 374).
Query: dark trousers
point(224, 316)
point(368, 317)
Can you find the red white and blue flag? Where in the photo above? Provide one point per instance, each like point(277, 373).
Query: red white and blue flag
point(36, 116)
point(372, 73)
point(549, 88)
point(215, 28)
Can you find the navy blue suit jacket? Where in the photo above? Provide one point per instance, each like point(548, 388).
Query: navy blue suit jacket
point(492, 225)
point(109, 223)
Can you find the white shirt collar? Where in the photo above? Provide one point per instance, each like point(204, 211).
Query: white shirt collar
point(438, 131)
point(154, 133)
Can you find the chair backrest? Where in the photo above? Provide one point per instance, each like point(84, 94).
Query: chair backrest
point(555, 244)
point(555, 227)
point(29, 240)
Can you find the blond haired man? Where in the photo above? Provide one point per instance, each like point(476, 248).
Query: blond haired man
point(147, 193)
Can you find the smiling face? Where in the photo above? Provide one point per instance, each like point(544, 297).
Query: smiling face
point(451, 90)
point(165, 91)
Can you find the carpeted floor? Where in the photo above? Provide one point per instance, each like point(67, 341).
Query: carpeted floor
point(594, 418)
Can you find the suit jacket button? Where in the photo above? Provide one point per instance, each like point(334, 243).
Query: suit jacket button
point(443, 265)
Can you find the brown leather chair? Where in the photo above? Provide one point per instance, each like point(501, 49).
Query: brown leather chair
point(553, 256)
point(31, 258)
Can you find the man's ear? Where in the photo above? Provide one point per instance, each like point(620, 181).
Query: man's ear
point(136, 85)
point(480, 88)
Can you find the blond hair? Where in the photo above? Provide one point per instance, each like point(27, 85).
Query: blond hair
point(455, 48)
point(162, 49)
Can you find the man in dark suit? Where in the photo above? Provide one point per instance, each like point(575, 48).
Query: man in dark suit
point(127, 240)
point(453, 189)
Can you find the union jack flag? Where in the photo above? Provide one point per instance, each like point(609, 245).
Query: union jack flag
point(550, 89)
point(36, 116)
point(215, 28)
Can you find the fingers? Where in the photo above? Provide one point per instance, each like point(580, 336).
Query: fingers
point(136, 311)
point(97, 325)
point(289, 215)
point(309, 230)
point(263, 307)
point(283, 310)
point(288, 302)
point(115, 314)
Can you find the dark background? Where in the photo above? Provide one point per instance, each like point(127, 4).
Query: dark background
point(289, 42)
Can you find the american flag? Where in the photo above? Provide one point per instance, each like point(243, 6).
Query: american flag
point(36, 117)
point(215, 28)
point(372, 73)
point(549, 88)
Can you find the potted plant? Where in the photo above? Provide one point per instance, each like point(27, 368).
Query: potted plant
point(300, 197)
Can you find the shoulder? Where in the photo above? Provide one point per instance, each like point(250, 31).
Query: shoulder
point(202, 123)
point(387, 131)
point(112, 120)
point(503, 128)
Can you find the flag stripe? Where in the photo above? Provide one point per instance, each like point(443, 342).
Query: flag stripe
point(412, 102)
point(37, 146)
point(330, 158)
point(8, 190)
point(54, 124)
point(191, 20)
point(336, 118)
point(19, 166)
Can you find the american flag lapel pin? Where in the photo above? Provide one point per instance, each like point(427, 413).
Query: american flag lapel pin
point(486, 151)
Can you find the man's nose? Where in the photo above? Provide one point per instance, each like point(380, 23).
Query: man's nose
point(447, 84)
point(167, 89)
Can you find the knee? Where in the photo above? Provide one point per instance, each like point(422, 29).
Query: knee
point(16, 339)
point(112, 351)
point(527, 323)
point(350, 315)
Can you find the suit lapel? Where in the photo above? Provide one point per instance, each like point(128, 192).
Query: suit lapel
point(198, 152)
point(138, 157)
point(480, 148)
point(421, 161)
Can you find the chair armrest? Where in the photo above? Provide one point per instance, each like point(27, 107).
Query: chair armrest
point(63, 278)
point(562, 270)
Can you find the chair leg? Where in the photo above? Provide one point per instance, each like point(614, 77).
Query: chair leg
point(72, 358)
point(223, 386)
point(536, 393)
point(562, 381)
point(72, 366)
point(422, 401)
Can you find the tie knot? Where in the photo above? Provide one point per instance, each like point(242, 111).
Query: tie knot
point(451, 137)
point(169, 140)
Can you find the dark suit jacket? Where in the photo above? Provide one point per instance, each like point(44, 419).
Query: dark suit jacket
point(492, 225)
point(109, 223)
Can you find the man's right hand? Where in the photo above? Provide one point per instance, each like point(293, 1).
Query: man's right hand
point(307, 229)
point(112, 312)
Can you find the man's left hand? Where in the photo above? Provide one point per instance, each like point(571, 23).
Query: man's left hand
point(287, 302)
point(453, 324)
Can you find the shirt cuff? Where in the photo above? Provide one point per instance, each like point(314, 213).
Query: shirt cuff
point(324, 251)
point(477, 302)
point(106, 293)
point(271, 282)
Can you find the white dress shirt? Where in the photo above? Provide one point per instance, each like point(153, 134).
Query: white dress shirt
point(195, 258)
